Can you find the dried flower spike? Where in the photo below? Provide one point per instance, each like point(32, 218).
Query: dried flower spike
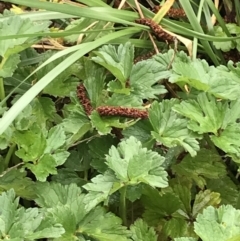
point(157, 30)
point(144, 57)
point(122, 111)
point(84, 100)
point(175, 13)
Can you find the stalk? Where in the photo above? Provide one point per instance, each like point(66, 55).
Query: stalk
point(122, 208)
point(2, 90)
point(9, 155)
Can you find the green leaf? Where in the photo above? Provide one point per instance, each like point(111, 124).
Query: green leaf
point(51, 195)
point(141, 231)
point(116, 87)
point(204, 199)
point(56, 138)
point(143, 76)
point(64, 83)
point(5, 138)
point(22, 185)
point(44, 151)
point(207, 164)
point(75, 122)
point(141, 130)
point(79, 159)
point(43, 108)
point(169, 128)
point(134, 192)
point(25, 119)
point(218, 224)
point(119, 62)
point(65, 216)
point(78, 24)
point(24, 224)
point(97, 122)
point(98, 148)
point(9, 66)
point(158, 206)
point(67, 176)
point(124, 100)
point(205, 113)
point(164, 59)
point(185, 239)
point(225, 81)
point(63, 203)
point(227, 189)
point(94, 81)
point(192, 72)
point(103, 226)
point(15, 25)
point(100, 188)
point(228, 141)
point(220, 81)
point(226, 45)
point(134, 164)
point(31, 143)
point(184, 194)
point(175, 227)
point(46, 165)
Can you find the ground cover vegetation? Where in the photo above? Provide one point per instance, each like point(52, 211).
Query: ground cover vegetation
point(119, 120)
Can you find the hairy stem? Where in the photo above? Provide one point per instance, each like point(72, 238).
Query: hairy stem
point(122, 208)
point(9, 155)
point(2, 91)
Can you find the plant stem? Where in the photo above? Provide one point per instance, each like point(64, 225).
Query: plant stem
point(210, 143)
point(122, 208)
point(86, 175)
point(9, 155)
point(2, 91)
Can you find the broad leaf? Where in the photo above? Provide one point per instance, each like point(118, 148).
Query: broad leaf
point(17, 25)
point(22, 185)
point(205, 114)
point(119, 62)
point(31, 143)
point(228, 141)
point(43, 149)
point(170, 129)
point(75, 122)
point(94, 82)
point(24, 224)
point(67, 176)
point(205, 199)
point(100, 188)
point(185, 239)
point(9, 66)
point(98, 148)
point(227, 189)
point(218, 224)
point(97, 122)
point(220, 81)
point(227, 45)
point(134, 164)
point(141, 231)
point(207, 164)
point(52, 195)
point(159, 206)
point(103, 226)
point(144, 75)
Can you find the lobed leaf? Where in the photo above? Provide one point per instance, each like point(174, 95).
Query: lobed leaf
point(170, 129)
point(133, 164)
